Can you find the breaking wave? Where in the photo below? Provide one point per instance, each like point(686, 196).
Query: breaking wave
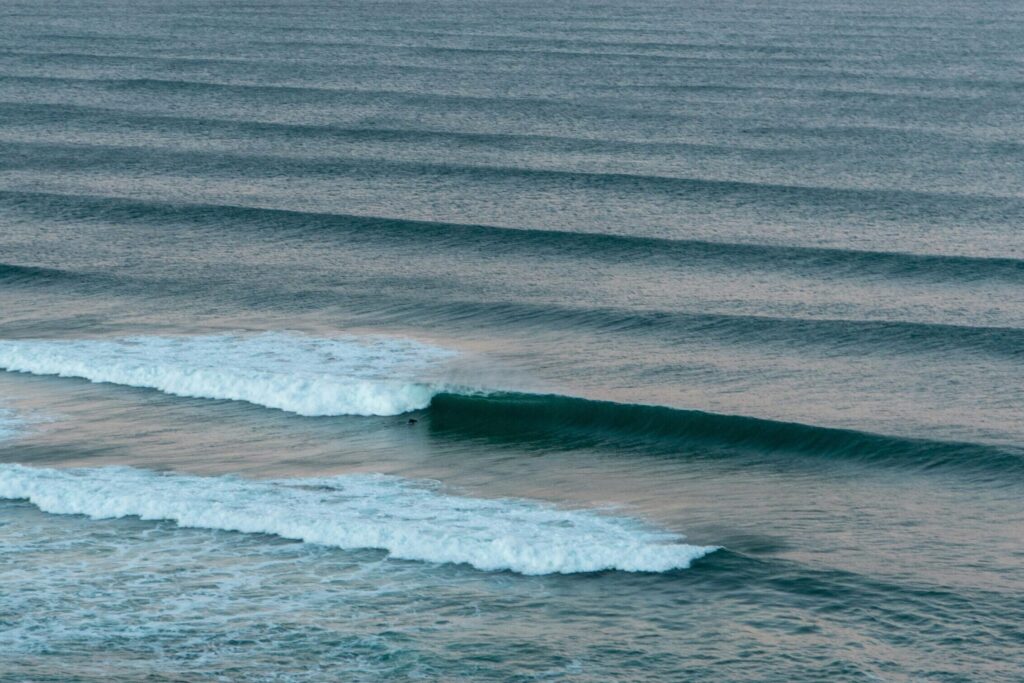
point(303, 375)
point(375, 375)
point(408, 519)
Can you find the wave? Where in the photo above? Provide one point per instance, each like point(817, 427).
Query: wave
point(13, 274)
point(849, 336)
point(800, 200)
point(563, 422)
point(663, 93)
point(810, 261)
point(770, 142)
point(276, 92)
point(409, 520)
point(303, 375)
point(99, 118)
point(389, 376)
point(852, 336)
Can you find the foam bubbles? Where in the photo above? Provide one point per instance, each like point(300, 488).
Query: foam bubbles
point(410, 520)
point(304, 375)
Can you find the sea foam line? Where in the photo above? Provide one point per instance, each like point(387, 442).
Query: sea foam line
point(304, 375)
point(408, 519)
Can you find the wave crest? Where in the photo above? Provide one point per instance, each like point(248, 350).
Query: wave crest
point(303, 375)
point(408, 520)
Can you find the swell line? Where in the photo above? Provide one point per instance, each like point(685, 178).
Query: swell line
point(562, 422)
point(290, 224)
point(32, 113)
point(851, 337)
point(848, 202)
point(378, 376)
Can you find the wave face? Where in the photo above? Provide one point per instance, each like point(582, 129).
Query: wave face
point(11, 274)
point(297, 374)
point(551, 421)
point(407, 519)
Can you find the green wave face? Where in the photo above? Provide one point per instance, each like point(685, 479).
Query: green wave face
point(561, 422)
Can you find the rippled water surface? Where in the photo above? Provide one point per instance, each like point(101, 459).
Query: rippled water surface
point(519, 341)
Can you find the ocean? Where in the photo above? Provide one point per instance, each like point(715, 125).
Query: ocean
point(511, 341)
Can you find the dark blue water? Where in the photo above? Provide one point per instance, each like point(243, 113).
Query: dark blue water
point(478, 341)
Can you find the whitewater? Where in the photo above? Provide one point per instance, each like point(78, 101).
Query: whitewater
point(347, 375)
point(409, 520)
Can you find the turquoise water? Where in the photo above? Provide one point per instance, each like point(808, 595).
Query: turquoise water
point(469, 341)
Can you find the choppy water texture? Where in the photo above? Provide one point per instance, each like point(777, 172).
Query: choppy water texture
point(519, 341)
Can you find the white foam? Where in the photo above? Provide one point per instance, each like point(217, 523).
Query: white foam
point(295, 373)
point(410, 520)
